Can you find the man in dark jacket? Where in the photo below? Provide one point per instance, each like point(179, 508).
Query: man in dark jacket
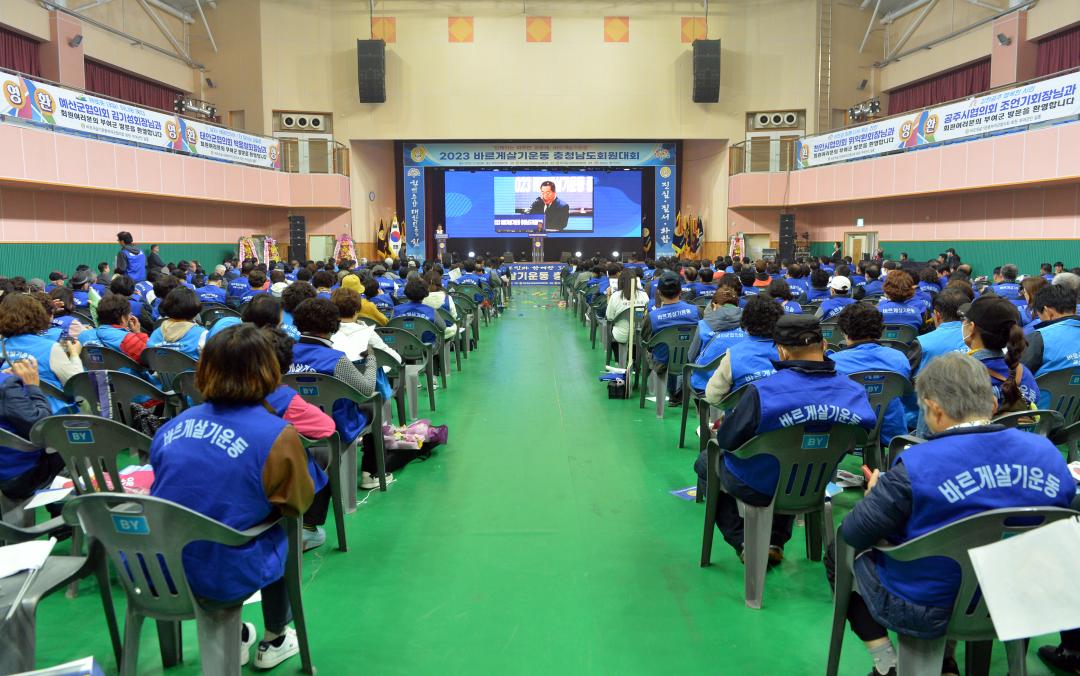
point(22, 403)
point(969, 466)
point(154, 263)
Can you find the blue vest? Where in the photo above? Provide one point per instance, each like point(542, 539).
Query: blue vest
point(384, 303)
point(717, 345)
point(389, 286)
point(702, 289)
point(666, 316)
point(411, 309)
point(188, 343)
point(813, 294)
point(89, 336)
point(40, 348)
point(136, 264)
point(288, 326)
point(279, 400)
point(1010, 290)
point(238, 287)
point(144, 288)
point(791, 397)
point(136, 307)
point(63, 323)
point(81, 298)
point(909, 313)
point(251, 293)
point(311, 358)
point(211, 294)
point(801, 284)
point(873, 357)
point(930, 288)
point(873, 287)
point(960, 474)
point(1022, 308)
point(791, 307)
point(944, 339)
point(752, 290)
point(752, 359)
point(858, 280)
point(1061, 346)
point(833, 306)
point(1029, 389)
point(14, 463)
point(210, 459)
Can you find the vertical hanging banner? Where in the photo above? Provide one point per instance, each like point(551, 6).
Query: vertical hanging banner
point(414, 212)
point(664, 220)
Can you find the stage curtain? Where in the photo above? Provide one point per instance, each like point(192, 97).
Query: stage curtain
point(955, 84)
point(19, 53)
point(117, 84)
point(1059, 52)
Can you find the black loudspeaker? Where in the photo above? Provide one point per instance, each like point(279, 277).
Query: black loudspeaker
point(706, 71)
point(371, 70)
point(787, 237)
point(298, 238)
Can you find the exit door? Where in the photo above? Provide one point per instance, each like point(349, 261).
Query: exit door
point(858, 243)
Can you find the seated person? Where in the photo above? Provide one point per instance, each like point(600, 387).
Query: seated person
point(948, 336)
point(437, 298)
point(179, 331)
point(23, 320)
point(381, 302)
point(213, 291)
point(804, 378)
point(293, 295)
point(797, 279)
point(751, 358)
point(670, 312)
point(263, 311)
point(1028, 288)
point(257, 284)
point(627, 293)
point(324, 282)
point(354, 337)
point(899, 305)
point(416, 291)
point(705, 285)
point(993, 332)
point(1008, 287)
point(919, 494)
point(118, 330)
point(238, 284)
point(63, 324)
point(163, 284)
point(318, 320)
point(1052, 345)
point(718, 316)
point(862, 325)
point(838, 299)
point(251, 469)
point(819, 286)
point(873, 286)
point(82, 295)
point(723, 319)
point(367, 308)
point(22, 404)
point(779, 291)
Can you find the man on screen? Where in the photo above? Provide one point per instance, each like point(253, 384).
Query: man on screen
point(555, 211)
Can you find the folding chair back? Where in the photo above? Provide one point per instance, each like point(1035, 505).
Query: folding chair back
point(882, 387)
point(90, 446)
point(122, 389)
point(1063, 388)
point(101, 358)
point(900, 332)
point(187, 389)
point(84, 317)
point(419, 327)
point(211, 313)
point(405, 343)
point(167, 363)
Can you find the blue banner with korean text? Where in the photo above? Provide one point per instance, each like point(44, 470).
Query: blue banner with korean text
point(414, 212)
point(665, 209)
point(542, 274)
point(539, 154)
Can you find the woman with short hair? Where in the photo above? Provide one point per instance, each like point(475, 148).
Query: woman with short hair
point(22, 321)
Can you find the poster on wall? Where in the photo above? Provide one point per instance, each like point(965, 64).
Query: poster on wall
point(1032, 103)
point(49, 105)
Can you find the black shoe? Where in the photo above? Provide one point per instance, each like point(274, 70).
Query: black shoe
point(673, 402)
point(949, 666)
point(891, 672)
point(1061, 659)
point(776, 556)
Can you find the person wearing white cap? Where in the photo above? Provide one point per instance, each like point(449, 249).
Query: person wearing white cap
point(839, 298)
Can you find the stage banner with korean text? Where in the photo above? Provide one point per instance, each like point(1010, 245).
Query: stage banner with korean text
point(664, 219)
point(539, 154)
point(1032, 103)
point(414, 212)
point(49, 105)
point(544, 274)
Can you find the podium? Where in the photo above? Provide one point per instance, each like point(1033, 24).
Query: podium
point(537, 239)
point(440, 245)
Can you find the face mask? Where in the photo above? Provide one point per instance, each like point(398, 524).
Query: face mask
point(967, 337)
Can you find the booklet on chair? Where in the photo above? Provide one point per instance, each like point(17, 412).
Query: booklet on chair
point(87, 666)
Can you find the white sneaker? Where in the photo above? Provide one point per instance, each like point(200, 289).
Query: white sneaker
point(247, 639)
point(269, 655)
point(370, 481)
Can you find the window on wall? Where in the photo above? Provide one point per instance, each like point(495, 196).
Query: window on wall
point(108, 81)
point(955, 84)
point(18, 52)
point(1059, 52)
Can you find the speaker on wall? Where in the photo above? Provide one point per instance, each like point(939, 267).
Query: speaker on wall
point(706, 71)
point(371, 70)
point(787, 237)
point(298, 238)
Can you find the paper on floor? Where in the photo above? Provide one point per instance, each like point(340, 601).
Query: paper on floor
point(1029, 580)
point(24, 556)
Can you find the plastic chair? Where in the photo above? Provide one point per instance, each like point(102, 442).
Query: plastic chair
point(101, 358)
point(700, 405)
point(122, 388)
point(900, 332)
point(477, 295)
point(970, 620)
point(89, 446)
point(324, 391)
point(701, 301)
point(12, 511)
point(167, 363)
point(597, 321)
point(154, 532)
point(396, 375)
point(211, 313)
point(416, 358)
point(807, 462)
point(418, 326)
point(1064, 389)
point(1043, 422)
point(459, 341)
point(187, 389)
point(19, 634)
point(882, 387)
point(677, 339)
point(84, 317)
point(729, 402)
point(1069, 437)
point(609, 335)
point(467, 306)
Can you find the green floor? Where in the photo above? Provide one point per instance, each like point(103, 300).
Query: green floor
point(541, 540)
